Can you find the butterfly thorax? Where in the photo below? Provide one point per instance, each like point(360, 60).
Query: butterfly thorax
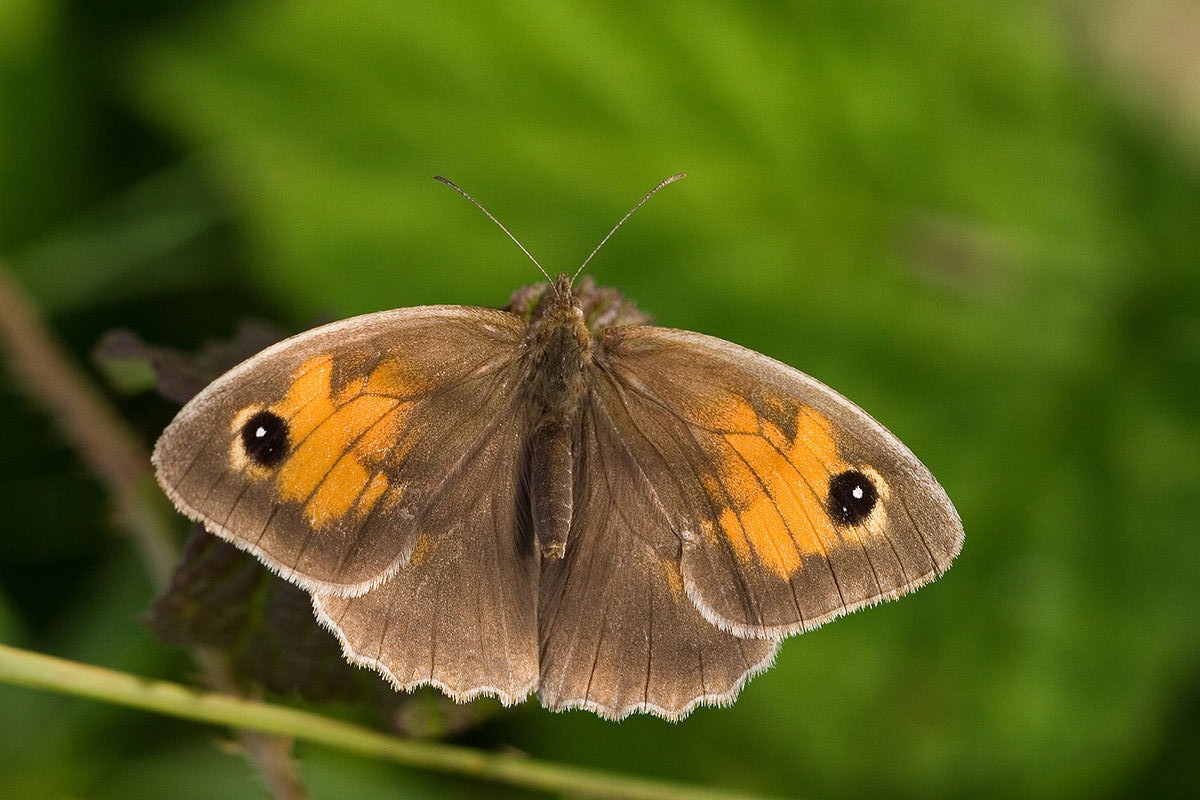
point(560, 348)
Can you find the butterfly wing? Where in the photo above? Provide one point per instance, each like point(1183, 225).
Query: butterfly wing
point(460, 613)
point(791, 505)
point(618, 632)
point(382, 445)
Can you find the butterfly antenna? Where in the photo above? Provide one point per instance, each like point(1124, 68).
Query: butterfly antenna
point(499, 224)
point(629, 214)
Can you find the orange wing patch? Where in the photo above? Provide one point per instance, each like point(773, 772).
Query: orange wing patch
point(340, 439)
point(674, 578)
point(774, 475)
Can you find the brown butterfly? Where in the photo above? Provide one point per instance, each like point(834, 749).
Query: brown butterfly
point(556, 498)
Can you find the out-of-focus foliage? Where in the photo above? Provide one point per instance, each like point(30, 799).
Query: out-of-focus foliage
point(977, 220)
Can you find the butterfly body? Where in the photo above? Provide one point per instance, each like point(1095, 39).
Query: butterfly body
point(560, 347)
point(556, 498)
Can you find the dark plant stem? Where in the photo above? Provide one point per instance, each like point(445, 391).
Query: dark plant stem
point(115, 457)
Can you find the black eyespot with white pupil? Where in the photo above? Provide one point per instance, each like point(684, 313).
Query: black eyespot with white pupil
point(852, 497)
point(265, 438)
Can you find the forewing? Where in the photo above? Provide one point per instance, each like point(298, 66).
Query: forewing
point(379, 411)
point(791, 505)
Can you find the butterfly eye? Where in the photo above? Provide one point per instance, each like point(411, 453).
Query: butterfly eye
point(265, 438)
point(852, 496)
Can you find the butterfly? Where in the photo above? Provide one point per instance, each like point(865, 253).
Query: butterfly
point(557, 498)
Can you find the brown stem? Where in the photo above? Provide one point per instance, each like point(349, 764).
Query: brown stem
point(117, 459)
point(87, 422)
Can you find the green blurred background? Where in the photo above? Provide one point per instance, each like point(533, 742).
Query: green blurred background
point(978, 220)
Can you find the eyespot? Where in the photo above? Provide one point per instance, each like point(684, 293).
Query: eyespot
point(265, 439)
point(852, 497)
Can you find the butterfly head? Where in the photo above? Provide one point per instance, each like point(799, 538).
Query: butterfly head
point(601, 306)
